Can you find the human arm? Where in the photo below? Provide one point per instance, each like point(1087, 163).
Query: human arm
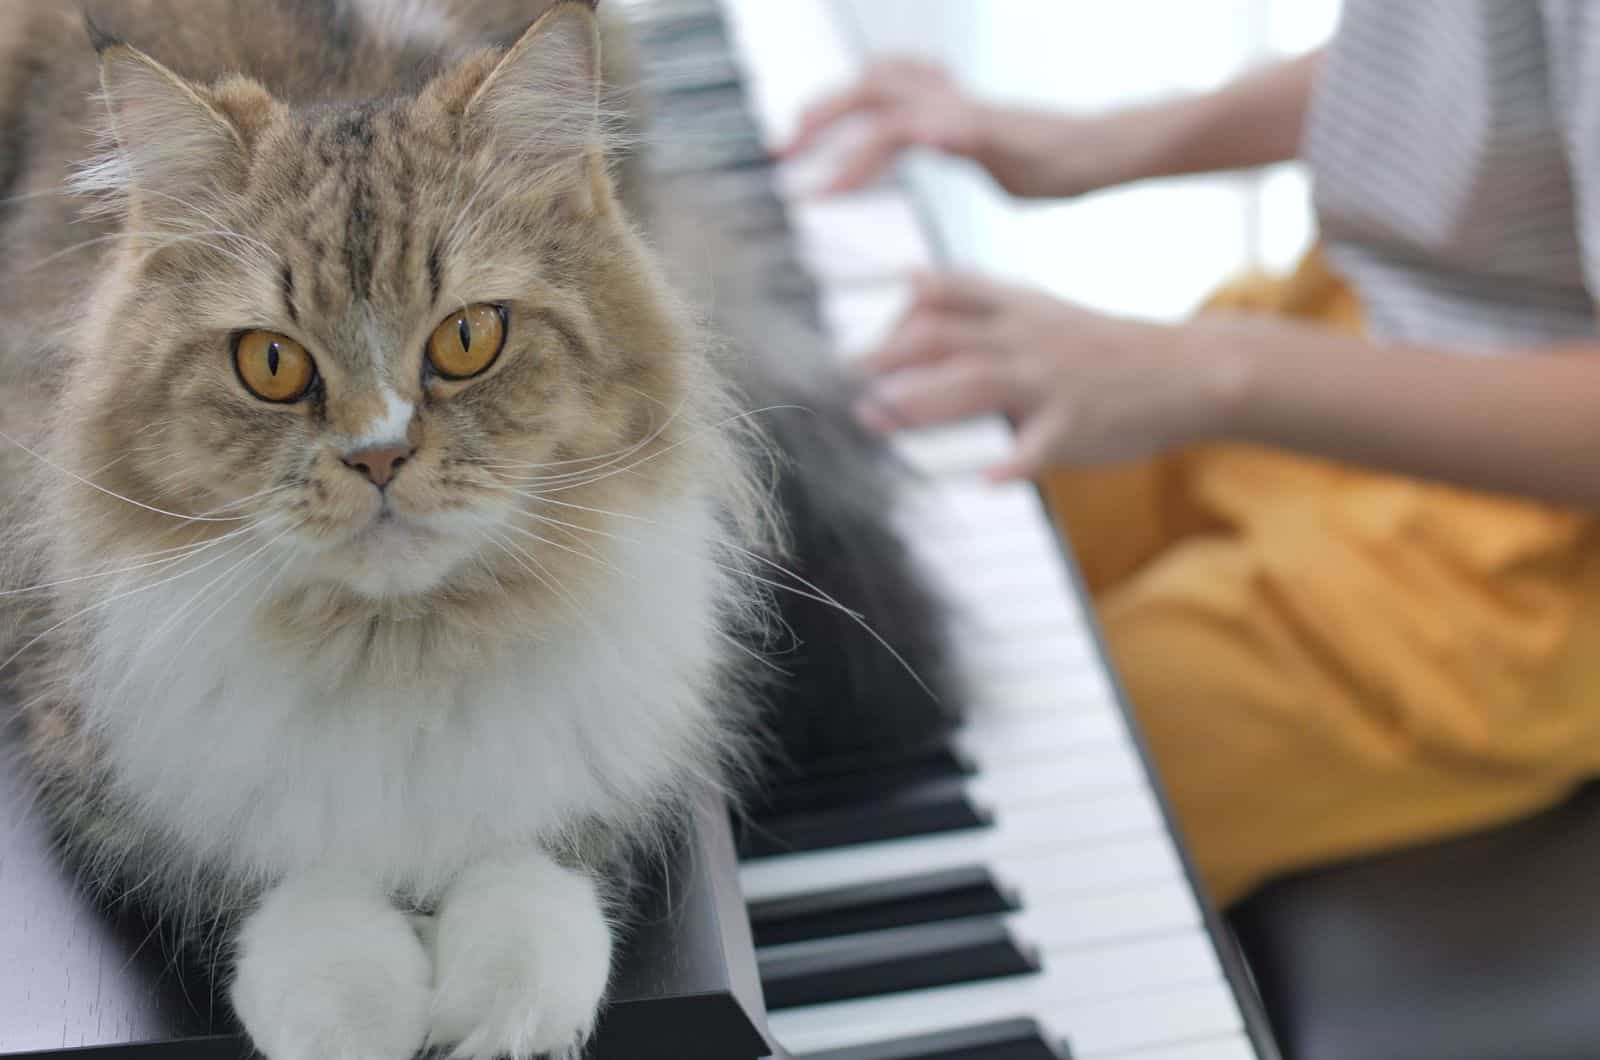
point(1254, 120)
point(1083, 387)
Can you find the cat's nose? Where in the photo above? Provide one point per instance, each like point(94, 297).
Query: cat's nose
point(380, 463)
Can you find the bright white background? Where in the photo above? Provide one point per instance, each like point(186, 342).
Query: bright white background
point(1153, 249)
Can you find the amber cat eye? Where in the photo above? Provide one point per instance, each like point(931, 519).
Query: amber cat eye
point(468, 342)
point(273, 367)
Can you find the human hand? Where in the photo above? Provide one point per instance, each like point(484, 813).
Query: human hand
point(910, 103)
point(1079, 386)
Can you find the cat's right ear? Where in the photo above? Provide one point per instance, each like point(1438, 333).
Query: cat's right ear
point(172, 147)
point(541, 103)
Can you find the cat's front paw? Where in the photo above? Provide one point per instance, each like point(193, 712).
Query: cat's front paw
point(328, 969)
point(522, 952)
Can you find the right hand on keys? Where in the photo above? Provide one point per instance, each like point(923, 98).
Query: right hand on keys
point(909, 103)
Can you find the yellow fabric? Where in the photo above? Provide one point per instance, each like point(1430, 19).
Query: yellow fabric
point(1329, 661)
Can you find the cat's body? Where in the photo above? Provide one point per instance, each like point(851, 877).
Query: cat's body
point(399, 642)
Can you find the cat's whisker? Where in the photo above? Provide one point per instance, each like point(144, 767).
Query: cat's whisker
point(109, 464)
point(614, 454)
point(30, 196)
point(242, 501)
point(551, 581)
point(537, 571)
point(112, 493)
point(97, 605)
point(607, 564)
point(816, 593)
point(721, 634)
point(243, 585)
point(178, 555)
point(188, 207)
point(155, 636)
point(694, 436)
point(204, 238)
point(161, 242)
point(73, 249)
point(622, 453)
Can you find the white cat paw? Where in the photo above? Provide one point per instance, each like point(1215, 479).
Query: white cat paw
point(329, 970)
point(522, 952)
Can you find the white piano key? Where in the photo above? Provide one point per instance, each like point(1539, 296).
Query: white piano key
point(1057, 873)
point(1017, 832)
point(999, 743)
point(859, 318)
point(1011, 538)
point(962, 449)
point(994, 582)
point(1154, 909)
point(1024, 656)
point(1082, 975)
point(802, 57)
point(1070, 690)
point(1091, 772)
point(870, 237)
point(1104, 967)
point(999, 547)
point(1223, 1047)
point(1170, 1017)
point(1091, 1024)
point(963, 507)
point(1073, 872)
point(1151, 963)
point(1024, 614)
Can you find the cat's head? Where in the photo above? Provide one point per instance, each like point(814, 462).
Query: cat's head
point(381, 334)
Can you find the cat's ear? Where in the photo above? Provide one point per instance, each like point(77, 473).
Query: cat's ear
point(172, 146)
point(542, 102)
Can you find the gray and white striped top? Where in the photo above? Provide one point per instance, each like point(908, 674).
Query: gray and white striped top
point(1454, 150)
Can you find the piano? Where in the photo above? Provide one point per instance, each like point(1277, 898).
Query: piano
point(1018, 895)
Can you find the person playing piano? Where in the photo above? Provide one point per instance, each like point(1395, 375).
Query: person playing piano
point(1339, 526)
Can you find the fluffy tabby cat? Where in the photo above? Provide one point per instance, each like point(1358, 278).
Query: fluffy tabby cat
point(384, 533)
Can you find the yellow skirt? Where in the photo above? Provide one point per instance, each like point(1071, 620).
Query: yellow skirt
point(1328, 661)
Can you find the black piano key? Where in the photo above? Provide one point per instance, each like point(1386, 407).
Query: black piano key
point(953, 894)
point(1006, 1040)
point(923, 809)
point(937, 754)
point(887, 962)
point(810, 794)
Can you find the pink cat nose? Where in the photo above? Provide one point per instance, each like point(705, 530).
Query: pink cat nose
point(380, 463)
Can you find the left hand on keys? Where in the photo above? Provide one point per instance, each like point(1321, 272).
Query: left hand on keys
point(1079, 386)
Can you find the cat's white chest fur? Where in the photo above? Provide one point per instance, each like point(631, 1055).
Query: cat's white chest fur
point(271, 765)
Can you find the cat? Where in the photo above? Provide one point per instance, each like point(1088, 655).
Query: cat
point(389, 542)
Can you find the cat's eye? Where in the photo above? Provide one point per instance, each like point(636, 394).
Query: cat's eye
point(273, 367)
point(468, 342)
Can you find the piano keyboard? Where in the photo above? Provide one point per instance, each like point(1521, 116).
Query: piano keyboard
point(1020, 897)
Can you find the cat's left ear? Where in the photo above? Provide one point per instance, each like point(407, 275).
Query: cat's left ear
point(174, 147)
point(542, 102)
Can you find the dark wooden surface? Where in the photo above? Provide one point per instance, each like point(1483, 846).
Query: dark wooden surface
point(75, 978)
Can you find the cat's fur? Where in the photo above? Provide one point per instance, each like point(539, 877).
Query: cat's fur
point(247, 693)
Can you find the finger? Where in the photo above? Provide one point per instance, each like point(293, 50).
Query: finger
point(872, 159)
point(959, 292)
point(922, 337)
point(954, 389)
point(907, 70)
point(821, 117)
point(1033, 452)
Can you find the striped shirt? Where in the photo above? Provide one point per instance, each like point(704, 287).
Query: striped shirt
point(1454, 151)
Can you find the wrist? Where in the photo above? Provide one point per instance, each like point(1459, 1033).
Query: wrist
point(1225, 354)
point(1039, 154)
